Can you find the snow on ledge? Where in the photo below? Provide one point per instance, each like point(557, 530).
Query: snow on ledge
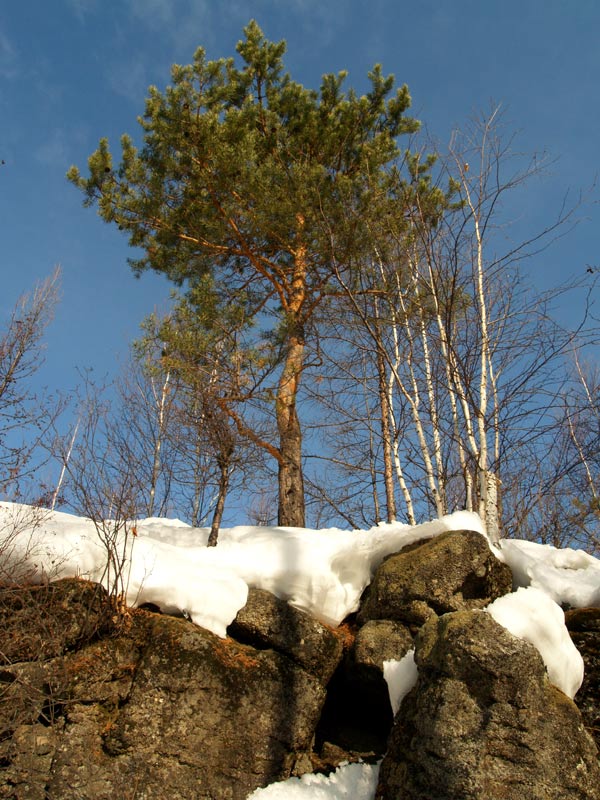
point(323, 572)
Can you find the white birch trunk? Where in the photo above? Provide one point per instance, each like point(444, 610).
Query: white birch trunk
point(161, 403)
point(413, 398)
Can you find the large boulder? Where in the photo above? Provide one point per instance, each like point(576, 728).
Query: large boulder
point(161, 707)
point(483, 721)
point(267, 622)
point(377, 641)
point(452, 572)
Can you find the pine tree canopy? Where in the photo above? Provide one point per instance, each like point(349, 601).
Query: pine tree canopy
point(243, 169)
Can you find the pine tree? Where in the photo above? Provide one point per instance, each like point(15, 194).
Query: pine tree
point(263, 185)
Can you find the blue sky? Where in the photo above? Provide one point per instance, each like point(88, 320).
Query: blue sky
point(72, 71)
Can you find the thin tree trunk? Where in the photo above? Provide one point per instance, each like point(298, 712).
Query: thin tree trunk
point(161, 403)
point(386, 435)
point(488, 498)
point(414, 399)
point(65, 465)
point(218, 512)
point(199, 486)
point(372, 446)
point(431, 394)
point(410, 511)
point(451, 384)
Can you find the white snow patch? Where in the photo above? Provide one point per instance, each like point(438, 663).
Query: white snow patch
point(570, 577)
point(400, 677)
point(348, 782)
point(530, 614)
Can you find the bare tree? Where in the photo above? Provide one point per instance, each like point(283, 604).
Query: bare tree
point(20, 545)
point(557, 500)
point(104, 487)
point(25, 419)
point(467, 362)
point(208, 381)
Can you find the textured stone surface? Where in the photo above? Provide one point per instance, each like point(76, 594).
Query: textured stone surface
point(44, 621)
point(483, 721)
point(160, 708)
point(380, 640)
point(268, 622)
point(452, 572)
point(584, 627)
point(155, 706)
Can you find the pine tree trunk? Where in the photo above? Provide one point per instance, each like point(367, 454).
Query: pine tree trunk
point(291, 481)
point(291, 510)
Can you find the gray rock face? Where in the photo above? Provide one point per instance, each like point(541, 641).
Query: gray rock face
point(452, 572)
point(162, 708)
point(268, 622)
point(377, 641)
point(484, 723)
point(584, 627)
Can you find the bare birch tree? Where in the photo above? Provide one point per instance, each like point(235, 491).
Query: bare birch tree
point(474, 362)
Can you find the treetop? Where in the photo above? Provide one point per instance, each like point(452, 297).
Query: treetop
point(242, 168)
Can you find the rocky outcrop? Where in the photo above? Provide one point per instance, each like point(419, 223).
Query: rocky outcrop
point(483, 721)
point(161, 702)
point(97, 704)
point(453, 572)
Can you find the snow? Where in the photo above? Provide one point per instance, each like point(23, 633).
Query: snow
point(400, 677)
point(569, 577)
point(323, 572)
point(355, 781)
point(530, 614)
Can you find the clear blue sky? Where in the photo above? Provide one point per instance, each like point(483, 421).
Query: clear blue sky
point(72, 71)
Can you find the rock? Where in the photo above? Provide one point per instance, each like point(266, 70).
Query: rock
point(42, 695)
point(206, 717)
point(30, 755)
point(452, 572)
point(584, 626)
point(483, 721)
point(44, 621)
point(268, 622)
point(145, 705)
point(377, 641)
point(163, 706)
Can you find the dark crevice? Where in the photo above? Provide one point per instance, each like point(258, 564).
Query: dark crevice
point(475, 587)
point(237, 634)
point(357, 716)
